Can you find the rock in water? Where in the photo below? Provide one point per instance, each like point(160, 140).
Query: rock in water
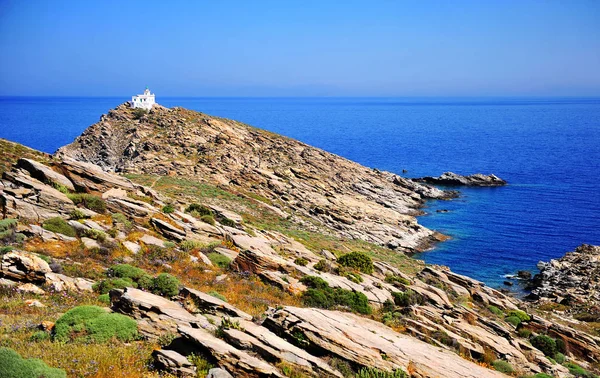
point(453, 179)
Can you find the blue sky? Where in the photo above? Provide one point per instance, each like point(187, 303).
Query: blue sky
point(300, 48)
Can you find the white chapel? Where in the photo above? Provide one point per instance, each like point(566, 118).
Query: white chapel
point(144, 101)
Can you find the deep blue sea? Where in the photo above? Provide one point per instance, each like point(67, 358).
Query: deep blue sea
point(548, 149)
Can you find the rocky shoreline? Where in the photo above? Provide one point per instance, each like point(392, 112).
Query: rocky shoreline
point(453, 179)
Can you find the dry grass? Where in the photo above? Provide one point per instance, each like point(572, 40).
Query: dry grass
point(10, 152)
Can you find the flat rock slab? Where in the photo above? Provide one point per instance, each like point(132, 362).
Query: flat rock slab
point(365, 342)
point(212, 305)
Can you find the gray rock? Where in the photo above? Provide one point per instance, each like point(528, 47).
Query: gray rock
point(218, 373)
point(453, 179)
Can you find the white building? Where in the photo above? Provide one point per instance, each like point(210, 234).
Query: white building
point(144, 101)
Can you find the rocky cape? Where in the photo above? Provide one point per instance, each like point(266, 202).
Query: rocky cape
point(454, 179)
point(300, 181)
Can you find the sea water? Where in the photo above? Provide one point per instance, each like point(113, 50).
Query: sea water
point(548, 149)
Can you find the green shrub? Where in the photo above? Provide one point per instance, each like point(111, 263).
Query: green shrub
point(168, 209)
point(8, 224)
point(314, 282)
point(503, 366)
point(120, 218)
point(104, 298)
point(137, 276)
point(560, 358)
point(94, 324)
point(320, 295)
point(524, 332)
point(514, 320)
point(301, 261)
point(219, 260)
point(226, 222)
point(88, 201)
point(39, 336)
point(208, 219)
point(217, 295)
point(105, 286)
point(166, 285)
point(408, 298)
point(14, 366)
point(77, 214)
point(376, 373)
point(357, 260)
point(561, 346)
point(520, 314)
point(59, 225)
point(352, 276)
point(45, 258)
point(323, 266)
point(495, 310)
point(578, 371)
point(392, 279)
point(544, 343)
point(139, 113)
point(200, 210)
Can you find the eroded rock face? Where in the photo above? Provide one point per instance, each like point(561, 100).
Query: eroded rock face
point(350, 200)
point(453, 179)
point(369, 343)
point(24, 266)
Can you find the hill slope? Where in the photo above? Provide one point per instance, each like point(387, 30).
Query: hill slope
point(298, 181)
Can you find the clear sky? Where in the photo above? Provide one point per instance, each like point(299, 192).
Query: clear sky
point(300, 48)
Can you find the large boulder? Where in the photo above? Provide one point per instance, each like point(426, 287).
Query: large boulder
point(23, 266)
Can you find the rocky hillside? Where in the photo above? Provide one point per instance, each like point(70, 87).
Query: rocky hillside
point(305, 184)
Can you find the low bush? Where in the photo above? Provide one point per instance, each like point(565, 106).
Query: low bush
point(578, 371)
point(544, 343)
point(522, 315)
point(104, 298)
point(524, 332)
point(199, 210)
point(514, 320)
point(503, 366)
point(357, 260)
point(495, 310)
point(94, 324)
point(88, 201)
point(105, 286)
point(323, 266)
point(376, 373)
point(77, 214)
point(7, 224)
point(226, 222)
point(190, 245)
point(12, 365)
point(166, 285)
point(208, 219)
point(59, 225)
point(321, 295)
point(560, 358)
point(217, 295)
point(301, 261)
point(39, 336)
point(219, 260)
point(408, 298)
point(139, 113)
point(121, 218)
point(352, 276)
point(168, 209)
point(392, 279)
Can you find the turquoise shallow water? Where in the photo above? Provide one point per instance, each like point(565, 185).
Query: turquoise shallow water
point(547, 149)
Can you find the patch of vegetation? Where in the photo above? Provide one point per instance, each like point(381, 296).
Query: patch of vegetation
point(392, 279)
point(376, 373)
point(94, 324)
point(522, 315)
point(139, 113)
point(514, 320)
point(323, 266)
point(578, 371)
point(301, 261)
point(208, 219)
point(219, 260)
point(89, 201)
point(190, 245)
point(321, 295)
point(503, 366)
point(121, 218)
point(168, 209)
point(544, 343)
point(59, 225)
point(524, 332)
point(14, 366)
point(495, 310)
point(357, 260)
point(105, 286)
point(39, 336)
point(125, 271)
point(407, 298)
point(166, 285)
point(77, 214)
point(199, 210)
point(352, 276)
point(104, 298)
point(226, 222)
point(217, 295)
point(201, 364)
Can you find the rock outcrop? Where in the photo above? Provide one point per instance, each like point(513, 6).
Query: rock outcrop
point(293, 178)
point(453, 179)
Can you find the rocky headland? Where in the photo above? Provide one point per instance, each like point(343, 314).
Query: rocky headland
point(454, 179)
point(237, 252)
